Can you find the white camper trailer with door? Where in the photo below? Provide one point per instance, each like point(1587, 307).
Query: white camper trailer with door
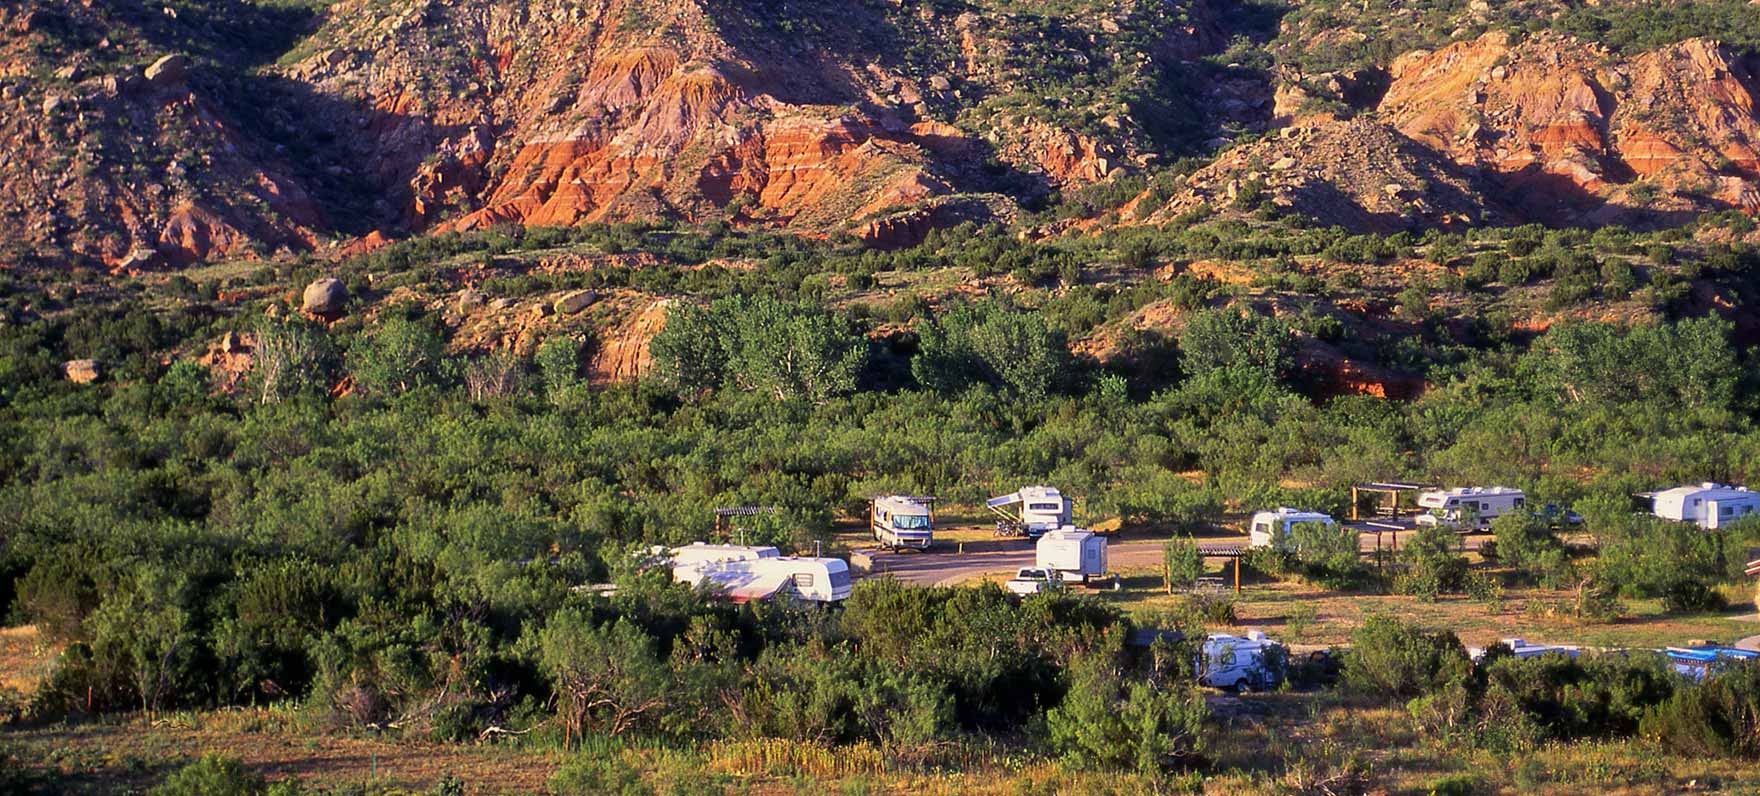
point(1707, 505)
point(1470, 508)
point(806, 578)
point(1032, 510)
point(902, 522)
point(1073, 553)
point(1272, 528)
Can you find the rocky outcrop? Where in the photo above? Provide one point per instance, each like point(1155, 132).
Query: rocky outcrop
point(622, 354)
point(1570, 131)
point(1359, 174)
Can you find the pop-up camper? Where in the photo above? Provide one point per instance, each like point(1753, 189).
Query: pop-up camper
point(1031, 511)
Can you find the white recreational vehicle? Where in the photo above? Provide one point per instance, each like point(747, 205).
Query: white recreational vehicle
point(1708, 505)
point(1272, 528)
point(1032, 510)
point(1470, 508)
point(1254, 663)
point(899, 522)
point(762, 574)
point(1073, 553)
point(1520, 648)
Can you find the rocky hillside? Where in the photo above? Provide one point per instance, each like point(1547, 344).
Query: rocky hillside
point(152, 137)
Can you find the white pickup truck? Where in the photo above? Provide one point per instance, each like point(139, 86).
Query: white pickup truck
point(1033, 580)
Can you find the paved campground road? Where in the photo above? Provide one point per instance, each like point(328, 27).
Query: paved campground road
point(948, 565)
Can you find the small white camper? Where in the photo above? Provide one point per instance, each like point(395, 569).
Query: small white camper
point(1708, 505)
point(1032, 510)
point(902, 522)
point(1469, 508)
point(1272, 528)
point(1073, 553)
point(1253, 663)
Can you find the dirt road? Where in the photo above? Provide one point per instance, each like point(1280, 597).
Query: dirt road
point(949, 564)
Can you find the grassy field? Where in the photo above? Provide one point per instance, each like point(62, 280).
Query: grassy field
point(1265, 744)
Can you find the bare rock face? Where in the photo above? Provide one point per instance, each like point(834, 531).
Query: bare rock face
point(1564, 125)
point(81, 371)
point(169, 71)
point(623, 354)
point(325, 297)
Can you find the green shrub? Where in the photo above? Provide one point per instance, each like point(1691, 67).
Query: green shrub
point(1719, 718)
point(1106, 722)
point(1391, 658)
point(214, 775)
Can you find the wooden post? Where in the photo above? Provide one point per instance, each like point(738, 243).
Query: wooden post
point(1237, 574)
point(1354, 499)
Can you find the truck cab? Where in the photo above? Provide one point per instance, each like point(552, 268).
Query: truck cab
point(1030, 580)
point(902, 523)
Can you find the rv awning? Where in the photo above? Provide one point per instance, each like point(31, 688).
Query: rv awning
point(1010, 498)
point(745, 511)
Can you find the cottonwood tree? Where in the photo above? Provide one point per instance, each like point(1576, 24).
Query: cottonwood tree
point(286, 360)
point(607, 677)
point(1011, 350)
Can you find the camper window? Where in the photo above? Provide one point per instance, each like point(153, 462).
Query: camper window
point(911, 522)
point(803, 580)
point(839, 579)
point(1043, 507)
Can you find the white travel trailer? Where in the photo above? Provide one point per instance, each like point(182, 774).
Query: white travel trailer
point(1272, 528)
point(806, 578)
point(1522, 649)
point(701, 553)
point(1254, 663)
point(1470, 508)
point(902, 522)
point(1073, 553)
point(1708, 505)
point(1032, 510)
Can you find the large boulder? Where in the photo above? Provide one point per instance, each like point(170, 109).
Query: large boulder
point(576, 301)
point(169, 71)
point(325, 297)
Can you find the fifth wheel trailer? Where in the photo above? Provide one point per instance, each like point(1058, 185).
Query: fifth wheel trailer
point(1073, 553)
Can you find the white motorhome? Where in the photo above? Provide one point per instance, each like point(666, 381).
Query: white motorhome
point(1707, 505)
point(1469, 508)
point(807, 578)
point(1253, 663)
point(1073, 553)
point(902, 522)
point(1272, 528)
point(1032, 510)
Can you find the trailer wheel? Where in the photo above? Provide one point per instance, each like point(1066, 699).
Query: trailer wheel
point(1241, 686)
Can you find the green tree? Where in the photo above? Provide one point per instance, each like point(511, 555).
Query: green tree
point(1182, 563)
point(399, 354)
point(1109, 723)
point(607, 677)
point(1392, 658)
point(987, 343)
point(1219, 339)
point(289, 358)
